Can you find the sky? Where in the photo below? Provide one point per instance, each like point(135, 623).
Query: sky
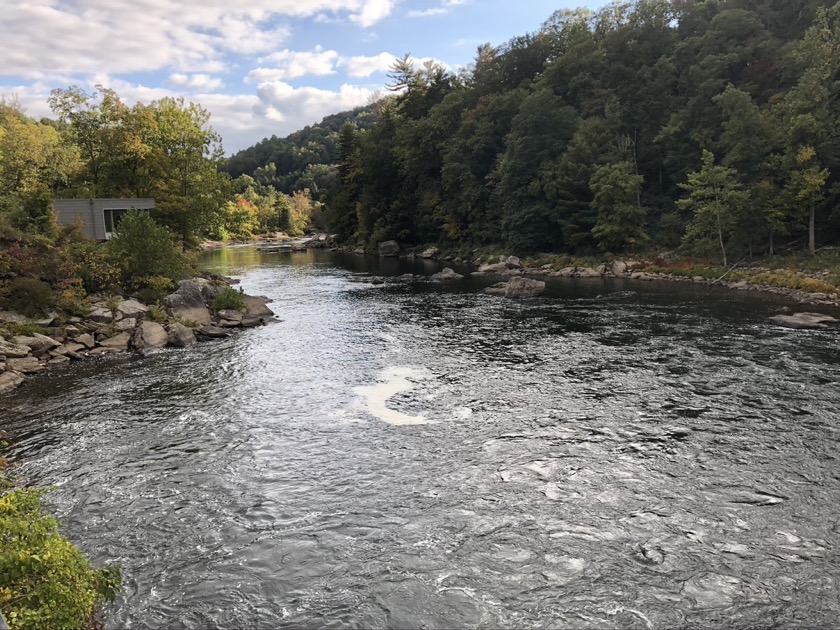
point(262, 68)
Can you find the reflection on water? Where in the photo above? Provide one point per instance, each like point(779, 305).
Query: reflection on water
point(614, 455)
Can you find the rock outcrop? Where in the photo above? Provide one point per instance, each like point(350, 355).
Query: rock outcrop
point(805, 321)
point(389, 248)
point(447, 274)
point(122, 325)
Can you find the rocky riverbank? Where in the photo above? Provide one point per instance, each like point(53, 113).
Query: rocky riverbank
point(115, 324)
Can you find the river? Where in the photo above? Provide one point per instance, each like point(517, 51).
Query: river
point(419, 455)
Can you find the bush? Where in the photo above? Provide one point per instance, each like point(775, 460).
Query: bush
point(45, 581)
point(230, 299)
point(142, 249)
point(28, 296)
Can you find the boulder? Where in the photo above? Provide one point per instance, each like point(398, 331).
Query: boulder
point(127, 324)
point(523, 288)
point(252, 321)
point(588, 272)
point(10, 381)
point(72, 332)
point(389, 248)
point(12, 317)
point(13, 350)
point(619, 268)
point(497, 289)
point(101, 315)
point(513, 262)
point(59, 360)
point(67, 348)
point(256, 306)
point(494, 268)
point(213, 332)
point(37, 343)
point(805, 321)
point(86, 340)
point(230, 315)
point(213, 290)
point(132, 308)
point(565, 272)
point(150, 335)
point(188, 302)
point(28, 365)
point(118, 342)
point(181, 336)
point(431, 252)
point(447, 274)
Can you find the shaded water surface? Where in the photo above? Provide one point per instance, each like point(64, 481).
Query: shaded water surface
point(409, 454)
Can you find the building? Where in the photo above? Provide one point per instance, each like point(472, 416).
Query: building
point(99, 217)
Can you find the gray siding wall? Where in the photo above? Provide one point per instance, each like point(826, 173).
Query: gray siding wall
point(91, 212)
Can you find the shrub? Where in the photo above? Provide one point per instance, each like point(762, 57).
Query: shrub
point(230, 299)
point(157, 312)
point(45, 581)
point(154, 288)
point(28, 296)
point(142, 249)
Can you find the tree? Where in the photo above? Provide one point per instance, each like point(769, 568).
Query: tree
point(621, 220)
point(715, 199)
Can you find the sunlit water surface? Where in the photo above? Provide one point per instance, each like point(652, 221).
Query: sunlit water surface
point(418, 455)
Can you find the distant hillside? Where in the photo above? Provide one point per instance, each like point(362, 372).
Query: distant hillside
point(301, 159)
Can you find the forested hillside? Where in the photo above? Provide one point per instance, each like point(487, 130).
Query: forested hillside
point(303, 160)
point(710, 124)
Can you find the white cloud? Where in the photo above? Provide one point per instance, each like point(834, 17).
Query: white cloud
point(196, 81)
point(372, 12)
point(151, 35)
point(360, 67)
point(288, 64)
point(443, 9)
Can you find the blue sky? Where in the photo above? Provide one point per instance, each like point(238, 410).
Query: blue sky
point(266, 68)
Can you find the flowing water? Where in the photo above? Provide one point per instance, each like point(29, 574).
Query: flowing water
point(419, 455)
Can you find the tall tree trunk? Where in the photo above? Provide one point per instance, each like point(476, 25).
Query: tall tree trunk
point(720, 239)
point(812, 241)
point(772, 252)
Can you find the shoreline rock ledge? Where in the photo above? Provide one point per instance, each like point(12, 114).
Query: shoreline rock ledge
point(806, 321)
point(122, 325)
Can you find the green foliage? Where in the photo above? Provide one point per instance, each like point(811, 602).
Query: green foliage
point(29, 296)
point(45, 581)
point(157, 312)
point(230, 299)
point(621, 219)
point(27, 329)
point(143, 250)
point(716, 200)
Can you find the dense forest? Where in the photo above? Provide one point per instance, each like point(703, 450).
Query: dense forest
point(707, 124)
point(303, 160)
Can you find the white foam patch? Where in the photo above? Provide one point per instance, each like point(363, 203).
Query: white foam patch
point(395, 381)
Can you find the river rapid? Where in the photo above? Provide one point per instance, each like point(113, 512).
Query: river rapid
point(412, 454)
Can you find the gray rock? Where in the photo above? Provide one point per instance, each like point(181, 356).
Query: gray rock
point(126, 325)
point(59, 360)
point(228, 323)
point(524, 287)
point(619, 268)
point(101, 315)
point(256, 306)
point(389, 248)
point(447, 274)
point(213, 332)
point(28, 365)
point(252, 321)
point(188, 302)
point(133, 308)
point(13, 350)
point(38, 344)
point(513, 262)
point(10, 381)
point(12, 317)
point(497, 289)
point(67, 348)
point(230, 315)
point(565, 272)
point(118, 342)
point(213, 290)
point(180, 336)
point(494, 268)
point(86, 340)
point(805, 321)
point(431, 252)
point(589, 272)
point(72, 331)
point(150, 335)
